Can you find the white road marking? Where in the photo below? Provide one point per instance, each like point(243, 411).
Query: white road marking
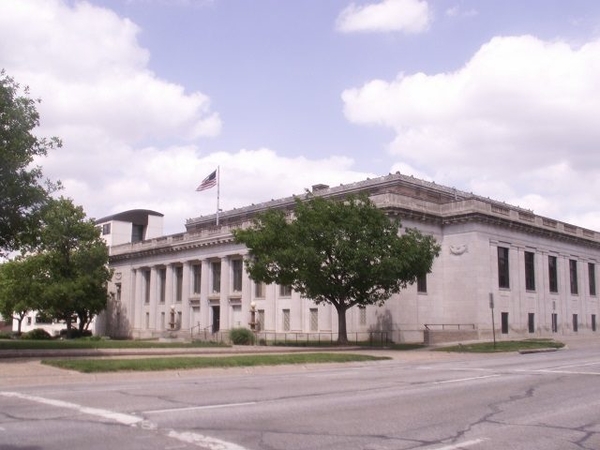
point(199, 440)
point(462, 445)
point(125, 419)
point(204, 441)
point(195, 408)
point(459, 380)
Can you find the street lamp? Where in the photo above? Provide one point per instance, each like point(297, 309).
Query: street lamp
point(253, 316)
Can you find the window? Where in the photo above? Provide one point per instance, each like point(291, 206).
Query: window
point(531, 322)
point(146, 276)
point(178, 283)
point(196, 278)
point(593, 322)
point(237, 268)
point(504, 318)
point(162, 320)
point(260, 321)
point(575, 324)
point(530, 271)
point(105, 229)
point(362, 315)
point(285, 291)
point(137, 233)
point(422, 284)
point(554, 323)
point(503, 280)
point(573, 276)
point(216, 277)
point(259, 290)
point(285, 320)
point(592, 278)
point(553, 273)
point(314, 319)
point(162, 284)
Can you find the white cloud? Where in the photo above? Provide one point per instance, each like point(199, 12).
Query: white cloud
point(100, 98)
point(522, 111)
point(407, 16)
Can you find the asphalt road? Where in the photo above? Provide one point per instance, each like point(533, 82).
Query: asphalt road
point(418, 400)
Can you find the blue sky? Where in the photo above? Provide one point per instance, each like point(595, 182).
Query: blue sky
point(149, 96)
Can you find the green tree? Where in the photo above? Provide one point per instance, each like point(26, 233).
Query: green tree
point(76, 262)
point(22, 283)
point(342, 252)
point(23, 192)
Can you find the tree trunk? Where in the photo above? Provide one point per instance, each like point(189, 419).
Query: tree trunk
point(342, 334)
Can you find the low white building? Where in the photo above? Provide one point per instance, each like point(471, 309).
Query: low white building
point(540, 273)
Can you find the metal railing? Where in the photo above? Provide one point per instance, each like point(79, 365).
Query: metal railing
point(450, 326)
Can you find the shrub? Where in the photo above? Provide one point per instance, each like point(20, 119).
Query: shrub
point(241, 336)
point(36, 334)
point(75, 333)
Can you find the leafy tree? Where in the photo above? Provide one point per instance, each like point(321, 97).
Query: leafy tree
point(21, 287)
point(342, 252)
point(76, 262)
point(23, 192)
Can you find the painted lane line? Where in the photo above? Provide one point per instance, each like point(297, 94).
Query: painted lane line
point(462, 444)
point(195, 408)
point(199, 440)
point(566, 372)
point(459, 380)
point(125, 419)
point(205, 442)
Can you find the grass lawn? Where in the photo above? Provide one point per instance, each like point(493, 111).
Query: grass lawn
point(184, 362)
point(503, 346)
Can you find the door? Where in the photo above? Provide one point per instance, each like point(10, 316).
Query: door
point(216, 318)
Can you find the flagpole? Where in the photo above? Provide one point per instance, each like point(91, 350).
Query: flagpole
point(218, 191)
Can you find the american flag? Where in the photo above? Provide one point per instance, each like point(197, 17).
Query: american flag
point(209, 182)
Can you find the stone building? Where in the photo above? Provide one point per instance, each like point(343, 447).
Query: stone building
point(539, 274)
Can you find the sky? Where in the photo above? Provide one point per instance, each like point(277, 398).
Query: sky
point(498, 98)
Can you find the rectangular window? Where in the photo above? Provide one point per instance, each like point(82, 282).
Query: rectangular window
point(216, 277)
point(106, 229)
point(552, 273)
point(314, 319)
point(575, 324)
point(237, 269)
point(531, 322)
point(504, 318)
point(146, 277)
point(162, 320)
point(260, 325)
point(137, 233)
point(196, 278)
point(259, 290)
point(554, 323)
point(362, 316)
point(286, 320)
point(592, 278)
point(573, 276)
point(530, 271)
point(593, 322)
point(503, 279)
point(285, 291)
point(178, 283)
point(422, 284)
point(162, 284)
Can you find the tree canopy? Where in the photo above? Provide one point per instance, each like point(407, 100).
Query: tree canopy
point(23, 190)
point(68, 273)
point(342, 252)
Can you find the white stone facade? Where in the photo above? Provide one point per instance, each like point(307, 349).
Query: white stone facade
point(196, 279)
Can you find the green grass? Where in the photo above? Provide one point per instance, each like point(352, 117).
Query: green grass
point(26, 344)
point(503, 346)
point(178, 363)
